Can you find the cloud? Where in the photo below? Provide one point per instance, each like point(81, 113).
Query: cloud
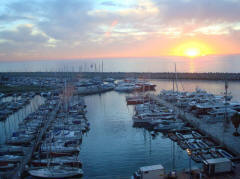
point(5, 18)
point(25, 41)
point(108, 3)
point(80, 27)
point(200, 10)
point(23, 33)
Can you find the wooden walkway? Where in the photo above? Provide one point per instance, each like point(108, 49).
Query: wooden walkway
point(16, 174)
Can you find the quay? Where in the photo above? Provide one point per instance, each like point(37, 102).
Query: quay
point(223, 135)
point(17, 173)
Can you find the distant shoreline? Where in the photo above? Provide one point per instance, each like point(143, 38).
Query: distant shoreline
point(120, 75)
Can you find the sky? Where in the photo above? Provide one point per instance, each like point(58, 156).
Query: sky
point(75, 29)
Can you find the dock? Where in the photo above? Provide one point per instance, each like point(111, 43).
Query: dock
point(217, 131)
point(16, 174)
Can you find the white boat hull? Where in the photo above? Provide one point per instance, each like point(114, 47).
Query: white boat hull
point(56, 172)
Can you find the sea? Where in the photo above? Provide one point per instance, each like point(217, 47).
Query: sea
point(220, 63)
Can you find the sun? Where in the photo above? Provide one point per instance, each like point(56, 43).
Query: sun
point(192, 52)
point(192, 49)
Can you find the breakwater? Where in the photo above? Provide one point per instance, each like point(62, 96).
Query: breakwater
point(119, 75)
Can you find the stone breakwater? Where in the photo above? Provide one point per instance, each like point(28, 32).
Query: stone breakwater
point(119, 75)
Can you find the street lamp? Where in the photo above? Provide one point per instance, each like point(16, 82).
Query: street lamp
point(189, 152)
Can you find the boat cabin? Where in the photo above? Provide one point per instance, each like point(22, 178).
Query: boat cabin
point(150, 172)
point(221, 113)
point(217, 165)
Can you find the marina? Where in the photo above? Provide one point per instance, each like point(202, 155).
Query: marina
point(147, 126)
point(113, 89)
point(46, 134)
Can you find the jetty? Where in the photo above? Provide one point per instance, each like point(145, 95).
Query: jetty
point(17, 173)
point(221, 134)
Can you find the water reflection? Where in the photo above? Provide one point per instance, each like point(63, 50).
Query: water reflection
point(8, 126)
point(113, 148)
point(191, 66)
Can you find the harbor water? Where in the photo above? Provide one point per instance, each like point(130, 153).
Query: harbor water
point(113, 148)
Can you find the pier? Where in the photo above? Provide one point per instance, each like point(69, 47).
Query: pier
point(16, 174)
point(223, 135)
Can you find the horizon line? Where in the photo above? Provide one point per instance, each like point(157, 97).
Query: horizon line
point(99, 58)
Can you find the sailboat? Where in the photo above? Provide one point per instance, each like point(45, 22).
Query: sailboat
point(59, 153)
point(65, 160)
point(56, 172)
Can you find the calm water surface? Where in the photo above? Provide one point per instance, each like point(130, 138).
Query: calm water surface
point(113, 148)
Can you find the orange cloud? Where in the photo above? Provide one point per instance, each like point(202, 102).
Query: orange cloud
point(109, 32)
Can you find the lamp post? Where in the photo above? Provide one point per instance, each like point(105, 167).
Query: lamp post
point(189, 152)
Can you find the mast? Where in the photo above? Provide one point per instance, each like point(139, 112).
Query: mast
point(226, 99)
point(173, 143)
point(173, 84)
point(226, 121)
point(176, 77)
point(102, 65)
point(173, 157)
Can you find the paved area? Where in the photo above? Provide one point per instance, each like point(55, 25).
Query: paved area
point(195, 174)
point(222, 133)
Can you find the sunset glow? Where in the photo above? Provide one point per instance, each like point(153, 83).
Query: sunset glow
point(193, 49)
point(106, 29)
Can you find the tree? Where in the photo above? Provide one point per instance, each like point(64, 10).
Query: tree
point(236, 122)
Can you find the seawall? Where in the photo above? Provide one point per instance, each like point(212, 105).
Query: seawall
point(119, 75)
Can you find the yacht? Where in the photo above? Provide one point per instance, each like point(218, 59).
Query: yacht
point(150, 172)
point(220, 114)
point(168, 126)
point(65, 160)
point(145, 119)
point(56, 172)
point(126, 87)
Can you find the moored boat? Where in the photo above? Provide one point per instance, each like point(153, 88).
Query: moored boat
point(66, 160)
point(10, 158)
point(56, 172)
point(6, 166)
point(172, 136)
point(147, 172)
